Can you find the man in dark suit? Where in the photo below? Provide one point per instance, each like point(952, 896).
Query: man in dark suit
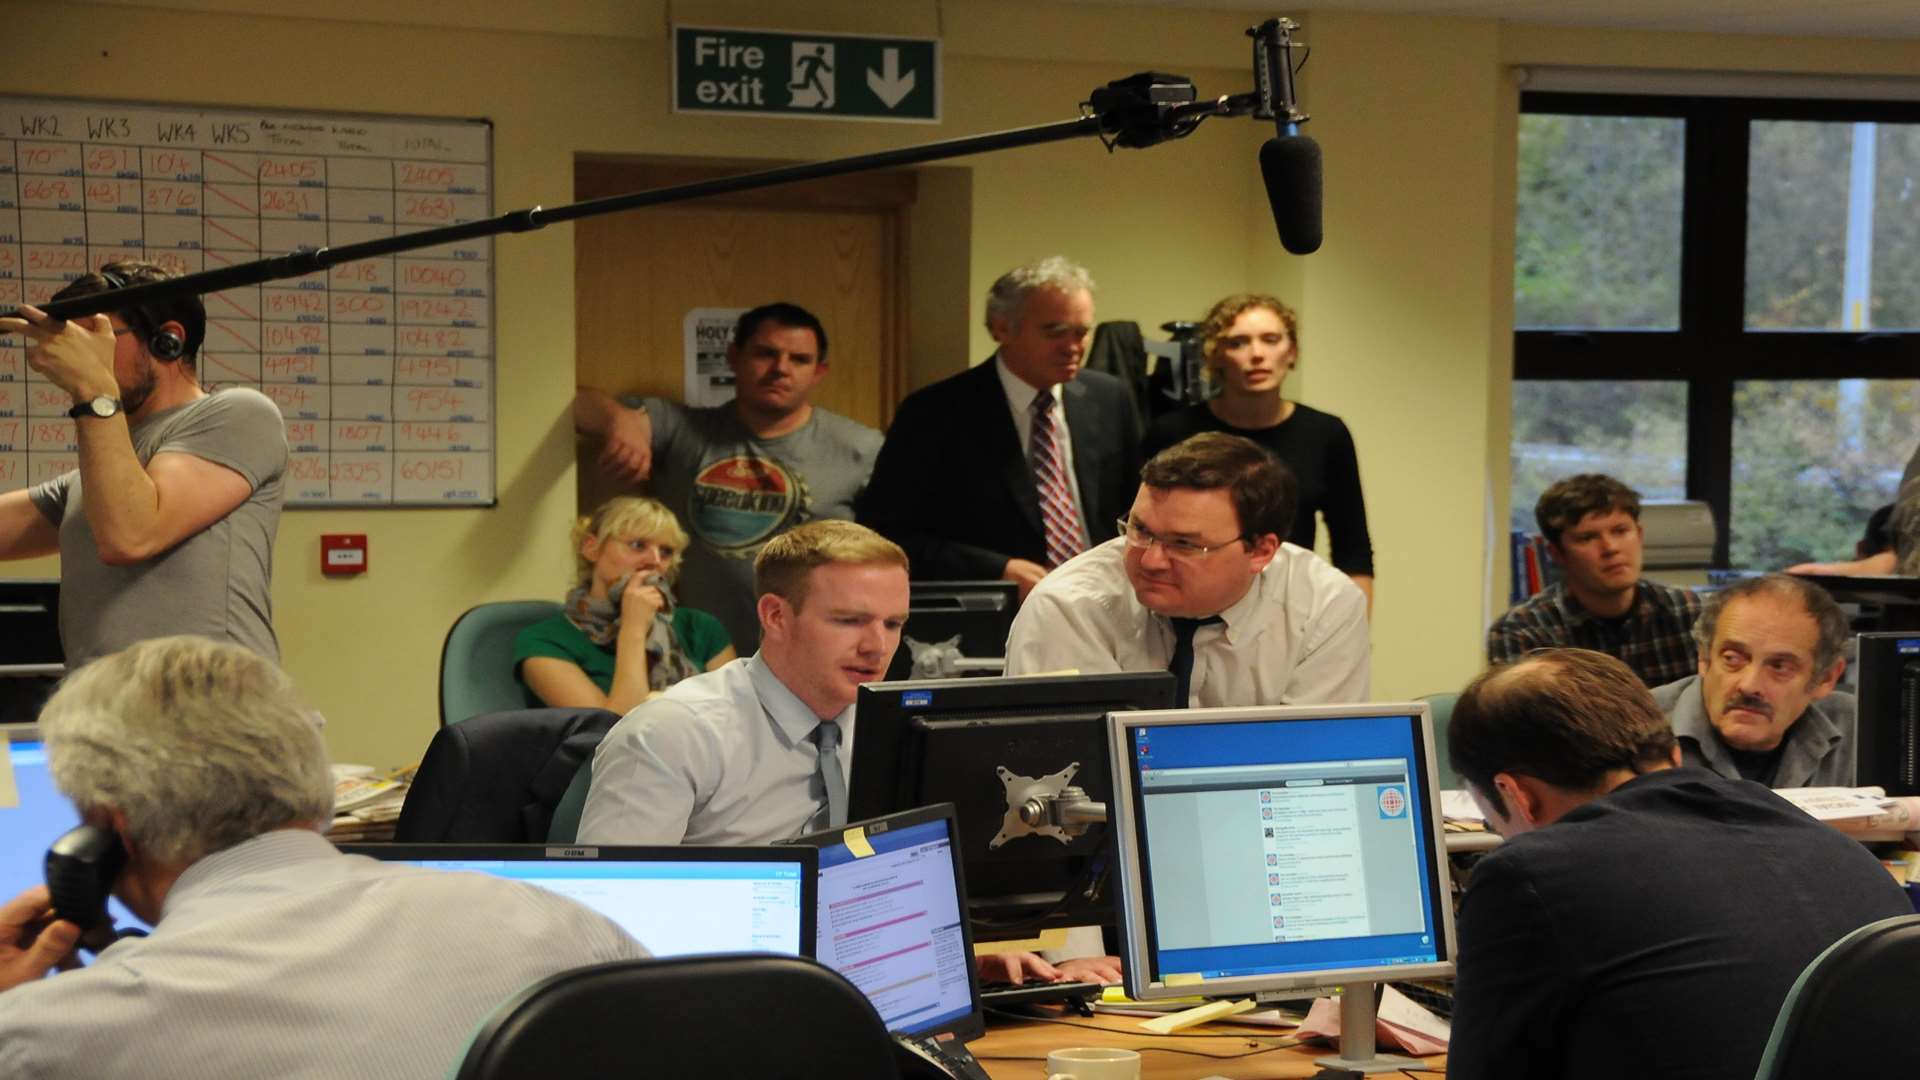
point(1642, 918)
point(1009, 469)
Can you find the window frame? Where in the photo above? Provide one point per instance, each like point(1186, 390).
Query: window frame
point(1712, 349)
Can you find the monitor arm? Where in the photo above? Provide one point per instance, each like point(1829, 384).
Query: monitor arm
point(1048, 806)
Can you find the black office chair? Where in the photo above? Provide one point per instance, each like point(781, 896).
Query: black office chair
point(754, 1016)
point(496, 778)
point(1851, 1012)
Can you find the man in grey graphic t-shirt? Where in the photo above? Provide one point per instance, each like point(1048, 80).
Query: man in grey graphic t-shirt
point(741, 473)
point(166, 524)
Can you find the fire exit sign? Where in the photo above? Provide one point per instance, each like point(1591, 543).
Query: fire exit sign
point(797, 73)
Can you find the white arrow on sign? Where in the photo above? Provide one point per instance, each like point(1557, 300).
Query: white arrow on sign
point(889, 84)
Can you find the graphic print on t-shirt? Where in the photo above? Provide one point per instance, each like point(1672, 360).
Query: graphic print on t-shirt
point(741, 501)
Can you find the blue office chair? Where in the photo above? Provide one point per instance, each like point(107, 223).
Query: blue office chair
point(476, 662)
point(1441, 706)
point(746, 1016)
point(1851, 1011)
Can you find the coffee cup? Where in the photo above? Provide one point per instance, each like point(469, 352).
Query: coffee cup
point(1093, 1063)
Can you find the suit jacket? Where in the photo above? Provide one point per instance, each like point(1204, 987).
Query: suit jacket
point(952, 485)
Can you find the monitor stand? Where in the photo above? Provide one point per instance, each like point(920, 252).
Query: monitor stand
point(1357, 1035)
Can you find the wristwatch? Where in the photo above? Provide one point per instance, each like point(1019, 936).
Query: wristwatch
point(101, 407)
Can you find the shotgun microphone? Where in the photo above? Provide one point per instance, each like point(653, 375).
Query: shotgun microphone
point(1290, 161)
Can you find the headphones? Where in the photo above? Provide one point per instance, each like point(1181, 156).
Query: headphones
point(165, 343)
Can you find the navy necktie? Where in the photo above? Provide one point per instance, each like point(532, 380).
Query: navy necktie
point(1182, 663)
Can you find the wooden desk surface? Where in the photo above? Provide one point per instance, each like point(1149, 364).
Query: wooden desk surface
point(1017, 1050)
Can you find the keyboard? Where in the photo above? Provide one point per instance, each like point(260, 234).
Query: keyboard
point(1000, 995)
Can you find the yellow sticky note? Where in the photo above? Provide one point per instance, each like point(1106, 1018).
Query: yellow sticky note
point(1199, 1014)
point(9, 793)
point(1184, 978)
point(856, 841)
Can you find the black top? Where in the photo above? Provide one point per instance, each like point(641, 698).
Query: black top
point(1653, 932)
point(1319, 450)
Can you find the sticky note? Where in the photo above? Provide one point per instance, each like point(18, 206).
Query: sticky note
point(1184, 978)
point(1199, 1014)
point(9, 794)
point(856, 841)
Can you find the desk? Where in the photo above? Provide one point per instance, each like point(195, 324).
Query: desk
point(1008, 1041)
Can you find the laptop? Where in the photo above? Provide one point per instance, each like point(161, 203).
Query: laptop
point(34, 818)
point(892, 920)
point(675, 900)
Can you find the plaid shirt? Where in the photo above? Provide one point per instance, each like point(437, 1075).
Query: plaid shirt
point(1655, 638)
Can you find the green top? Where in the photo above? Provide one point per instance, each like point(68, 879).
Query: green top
point(700, 635)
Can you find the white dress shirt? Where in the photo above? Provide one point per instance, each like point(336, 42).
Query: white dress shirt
point(1298, 636)
point(282, 957)
point(722, 758)
point(1020, 395)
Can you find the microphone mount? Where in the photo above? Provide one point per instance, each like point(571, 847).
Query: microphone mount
point(1135, 112)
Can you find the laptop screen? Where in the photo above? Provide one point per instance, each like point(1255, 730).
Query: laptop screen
point(891, 921)
point(33, 819)
point(674, 900)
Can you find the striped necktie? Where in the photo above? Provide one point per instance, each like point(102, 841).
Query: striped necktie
point(1065, 536)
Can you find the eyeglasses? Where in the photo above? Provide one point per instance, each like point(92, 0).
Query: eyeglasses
point(1141, 539)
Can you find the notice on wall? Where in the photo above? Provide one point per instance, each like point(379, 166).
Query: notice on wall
point(707, 331)
point(383, 368)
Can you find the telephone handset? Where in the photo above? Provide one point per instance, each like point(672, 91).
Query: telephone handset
point(82, 866)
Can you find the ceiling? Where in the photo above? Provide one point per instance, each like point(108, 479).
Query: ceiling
point(1814, 18)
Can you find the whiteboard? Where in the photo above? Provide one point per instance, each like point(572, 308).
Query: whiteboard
point(383, 369)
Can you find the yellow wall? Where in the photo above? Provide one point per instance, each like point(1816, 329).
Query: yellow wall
point(1407, 309)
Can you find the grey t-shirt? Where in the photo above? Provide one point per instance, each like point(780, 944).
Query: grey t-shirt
point(734, 491)
point(215, 582)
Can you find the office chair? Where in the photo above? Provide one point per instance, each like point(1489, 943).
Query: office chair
point(750, 1016)
point(496, 778)
point(1852, 1009)
point(1441, 706)
point(476, 661)
point(565, 827)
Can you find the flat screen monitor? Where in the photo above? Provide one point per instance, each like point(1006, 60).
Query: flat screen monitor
point(1887, 735)
point(677, 901)
point(967, 742)
point(892, 898)
point(978, 613)
point(1269, 851)
point(31, 659)
point(34, 819)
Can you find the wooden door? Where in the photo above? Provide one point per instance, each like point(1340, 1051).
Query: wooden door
point(833, 247)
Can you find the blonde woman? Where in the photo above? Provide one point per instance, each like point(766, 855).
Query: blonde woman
point(621, 637)
point(1251, 343)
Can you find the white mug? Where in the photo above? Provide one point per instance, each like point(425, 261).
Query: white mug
point(1093, 1063)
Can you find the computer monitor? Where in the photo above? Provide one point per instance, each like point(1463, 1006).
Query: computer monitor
point(972, 742)
point(979, 613)
point(36, 817)
point(1270, 851)
point(31, 658)
point(1887, 731)
point(677, 901)
point(892, 897)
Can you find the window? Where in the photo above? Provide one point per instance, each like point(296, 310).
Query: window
point(1719, 299)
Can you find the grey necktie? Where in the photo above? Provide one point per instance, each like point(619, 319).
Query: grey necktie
point(832, 780)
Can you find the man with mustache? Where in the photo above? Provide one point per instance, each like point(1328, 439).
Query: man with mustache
point(741, 473)
point(1592, 527)
point(1763, 706)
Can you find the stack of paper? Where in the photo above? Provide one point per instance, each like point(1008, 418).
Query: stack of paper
point(366, 806)
point(1865, 813)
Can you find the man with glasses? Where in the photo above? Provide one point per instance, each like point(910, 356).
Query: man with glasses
point(1199, 583)
point(1016, 465)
